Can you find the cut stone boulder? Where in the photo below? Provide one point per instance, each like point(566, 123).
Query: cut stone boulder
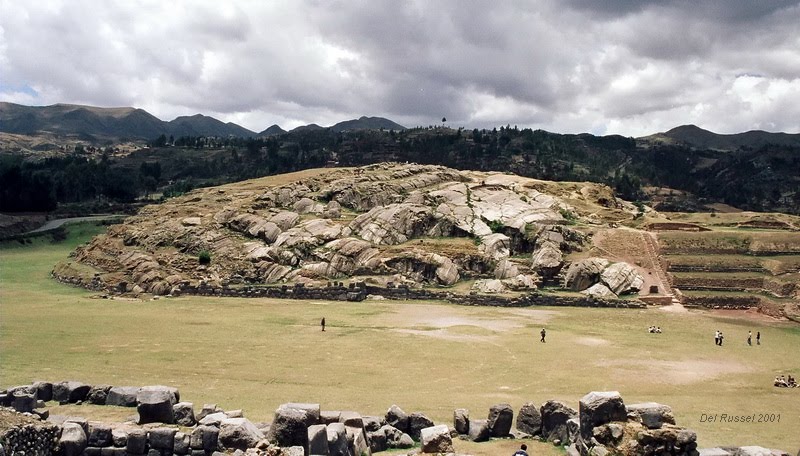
point(585, 273)
point(289, 427)
point(621, 278)
point(529, 419)
point(555, 415)
point(184, 414)
point(73, 439)
point(238, 433)
point(70, 392)
point(599, 290)
point(501, 417)
point(155, 405)
point(495, 246)
point(489, 286)
point(479, 431)
point(416, 423)
point(461, 421)
point(652, 414)
point(317, 439)
point(337, 439)
point(597, 408)
point(436, 440)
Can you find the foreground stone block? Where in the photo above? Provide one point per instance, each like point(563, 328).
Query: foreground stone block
point(239, 434)
point(44, 391)
point(461, 420)
point(155, 406)
point(317, 439)
point(597, 408)
point(122, 396)
point(99, 435)
point(554, 420)
point(337, 439)
point(70, 392)
point(73, 439)
point(98, 394)
point(652, 414)
point(529, 419)
point(436, 439)
point(162, 438)
point(137, 441)
point(501, 416)
point(289, 428)
point(205, 438)
point(479, 431)
point(416, 423)
point(184, 414)
point(396, 417)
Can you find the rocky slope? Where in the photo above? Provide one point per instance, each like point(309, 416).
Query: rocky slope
point(400, 223)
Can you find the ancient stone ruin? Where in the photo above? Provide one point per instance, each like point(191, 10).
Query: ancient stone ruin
point(165, 426)
point(385, 224)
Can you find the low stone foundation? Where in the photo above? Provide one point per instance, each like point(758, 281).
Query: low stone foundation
point(604, 424)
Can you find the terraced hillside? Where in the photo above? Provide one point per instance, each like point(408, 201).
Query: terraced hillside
point(730, 267)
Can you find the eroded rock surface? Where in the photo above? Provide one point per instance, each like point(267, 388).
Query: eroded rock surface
point(404, 223)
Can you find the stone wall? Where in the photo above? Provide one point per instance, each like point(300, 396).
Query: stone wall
point(722, 302)
point(719, 283)
point(359, 291)
point(603, 424)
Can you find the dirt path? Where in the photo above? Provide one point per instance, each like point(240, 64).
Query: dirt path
point(53, 224)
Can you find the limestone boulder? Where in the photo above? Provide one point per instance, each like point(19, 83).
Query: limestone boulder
point(585, 273)
point(461, 421)
point(598, 408)
point(317, 439)
point(289, 427)
point(529, 419)
point(239, 433)
point(416, 423)
point(479, 431)
point(547, 256)
point(204, 438)
point(501, 417)
point(73, 439)
point(162, 439)
point(155, 406)
point(70, 391)
point(555, 415)
point(397, 418)
point(505, 269)
point(97, 394)
point(308, 206)
point(285, 219)
point(99, 435)
point(396, 224)
point(44, 391)
point(496, 246)
point(652, 414)
point(621, 278)
point(436, 440)
point(522, 282)
point(136, 442)
point(184, 414)
point(488, 286)
point(600, 291)
point(337, 439)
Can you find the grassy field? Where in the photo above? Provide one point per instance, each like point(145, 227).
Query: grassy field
point(255, 354)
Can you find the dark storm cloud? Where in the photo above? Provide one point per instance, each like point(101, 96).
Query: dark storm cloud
point(630, 67)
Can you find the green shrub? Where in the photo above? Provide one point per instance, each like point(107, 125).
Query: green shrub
point(204, 257)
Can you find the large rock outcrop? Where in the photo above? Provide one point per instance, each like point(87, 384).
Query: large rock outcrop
point(391, 222)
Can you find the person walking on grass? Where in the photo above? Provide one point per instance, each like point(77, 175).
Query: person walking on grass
point(522, 450)
point(750, 338)
point(758, 337)
point(322, 323)
point(544, 334)
point(716, 337)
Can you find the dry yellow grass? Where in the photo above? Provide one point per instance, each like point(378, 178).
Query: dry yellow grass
point(424, 356)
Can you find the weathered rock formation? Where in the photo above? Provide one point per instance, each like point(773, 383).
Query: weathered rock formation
point(399, 223)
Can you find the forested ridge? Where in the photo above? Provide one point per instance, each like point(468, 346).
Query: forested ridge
point(764, 178)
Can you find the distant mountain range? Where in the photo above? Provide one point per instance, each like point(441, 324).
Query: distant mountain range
point(695, 137)
point(93, 123)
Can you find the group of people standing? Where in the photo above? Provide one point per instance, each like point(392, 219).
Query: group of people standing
point(654, 330)
point(719, 337)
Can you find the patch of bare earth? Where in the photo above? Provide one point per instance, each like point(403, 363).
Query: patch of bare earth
point(440, 322)
point(681, 372)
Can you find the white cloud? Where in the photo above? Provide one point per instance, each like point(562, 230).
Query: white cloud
point(631, 67)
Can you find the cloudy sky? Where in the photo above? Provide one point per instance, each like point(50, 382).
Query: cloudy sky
point(601, 66)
